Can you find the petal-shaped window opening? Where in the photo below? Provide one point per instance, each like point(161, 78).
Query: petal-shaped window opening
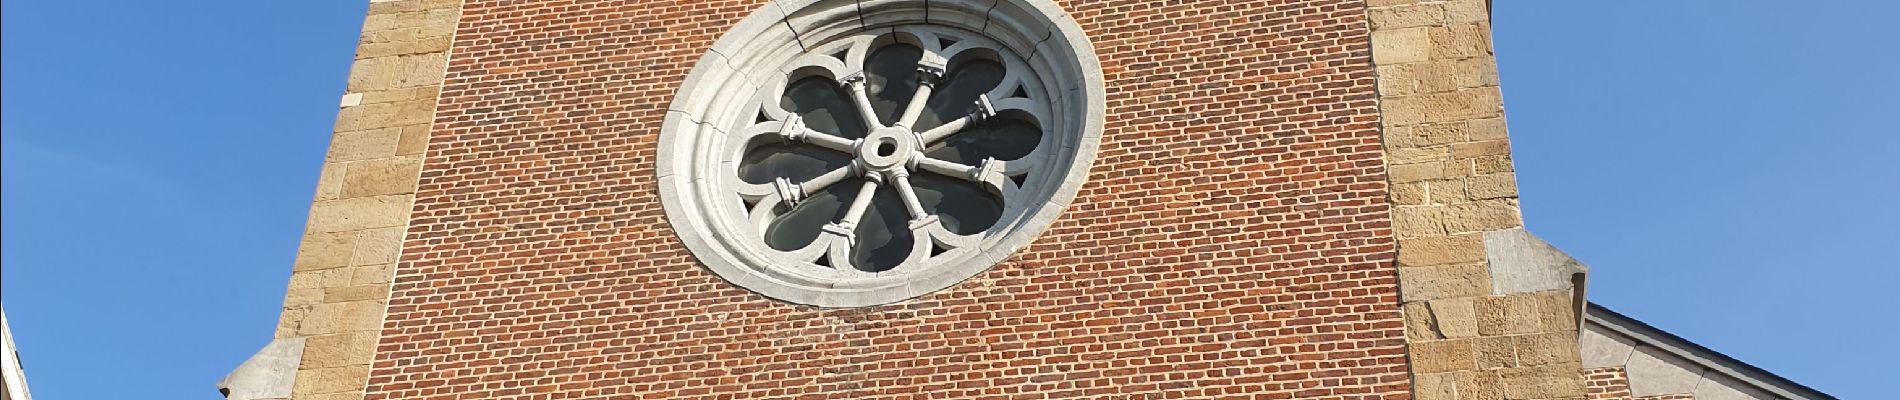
point(794, 162)
point(956, 97)
point(963, 207)
point(884, 238)
point(825, 107)
point(799, 226)
point(891, 79)
point(1001, 138)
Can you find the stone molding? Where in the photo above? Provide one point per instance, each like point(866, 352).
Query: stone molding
point(1490, 312)
point(754, 54)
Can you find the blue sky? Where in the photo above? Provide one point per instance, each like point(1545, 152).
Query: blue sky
point(1726, 168)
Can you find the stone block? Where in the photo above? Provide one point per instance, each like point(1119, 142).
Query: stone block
point(1409, 155)
point(1479, 385)
point(1461, 105)
point(1494, 352)
point(271, 373)
point(1415, 221)
point(424, 93)
point(1429, 135)
point(378, 246)
point(1459, 41)
point(372, 274)
point(355, 293)
point(1409, 193)
point(1442, 356)
point(1402, 173)
point(1457, 11)
point(1486, 129)
point(330, 380)
point(1547, 348)
point(415, 140)
point(1491, 186)
point(1480, 148)
point(333, 318)
point(1492, 164)
point(330, 182)
point(1454, 249)
point(1398, 46)
point(324, 250)
point(1523, 263)
point(1440, 386)
point(1455, 318)
point(1522, 314)
point(1542, 382)
point(1407, 16)
point(381, 177)
point(395, 72)
point(384, 115)
point(1443, 282)
point(360, 145)
point(359, 213)
point(339, 350)
point(1482, 216)
point(1419, 322)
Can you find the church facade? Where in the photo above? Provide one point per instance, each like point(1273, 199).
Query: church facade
point(934, 199)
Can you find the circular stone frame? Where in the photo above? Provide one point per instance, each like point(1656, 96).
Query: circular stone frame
point(715, 109)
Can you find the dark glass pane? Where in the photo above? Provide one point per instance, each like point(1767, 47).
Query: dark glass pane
point(956, 97)
point(891, 79)
point(797, 162)
point(825, 106)
point(798, 227)
point(1002, 138)
point(884, 238)
point(964, 207)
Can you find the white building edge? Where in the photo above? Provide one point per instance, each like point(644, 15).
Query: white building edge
point(10, 371)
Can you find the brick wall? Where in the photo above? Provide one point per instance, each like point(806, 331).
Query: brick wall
point(1234, 237)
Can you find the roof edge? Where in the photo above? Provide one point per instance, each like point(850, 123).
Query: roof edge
point(1708, 358)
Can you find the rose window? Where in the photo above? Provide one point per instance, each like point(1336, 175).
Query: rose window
point(874, 164)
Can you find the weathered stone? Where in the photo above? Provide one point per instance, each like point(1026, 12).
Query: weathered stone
point(380, 177)
point(1482, 148)
point(1431, 135)
point(1415, 221)
point(1486, 129)
point(1419, 322)
point(1455, 318)
point(1481, 216)
point(324, 250)
point(1462, 105)
point(426, 93)
point(331, 318)
point(1492, 164)
point(378, 246)
point(1443, 282)
point(1522, 314)
point(395, 72)
point(1398, 156)
point(381, 116)
point(1454, 249)
point(338, 350)
point(330, 182)
point(1479, 385)
point(1440, 386)
point(415, 140)
point(355, 293)
point(1424, 171)
point(359, 213)
point(1397, 46)
point(1407, 16)
point(1467, 10)
point(1547, 348)
point(1460, 41)
point(330, 380)
point(1441, 356)
point(372, 274)
point(1542, 382)
point(1410, 193)
point(1492, 186)
point(358, 145)
point(1494, 352)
